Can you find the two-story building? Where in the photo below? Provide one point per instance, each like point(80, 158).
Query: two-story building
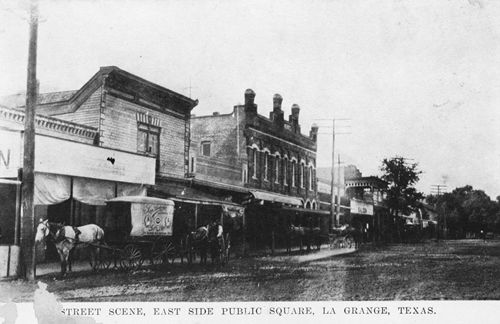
point(265, 163)
point(117, 135)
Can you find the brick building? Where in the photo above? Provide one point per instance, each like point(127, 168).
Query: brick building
point(265, 163)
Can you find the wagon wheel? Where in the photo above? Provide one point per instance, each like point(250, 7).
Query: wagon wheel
point(131, 257)
point(103, 258)
point(163, 252)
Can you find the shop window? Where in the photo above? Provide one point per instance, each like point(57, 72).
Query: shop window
point(148, 139)
point(206, 148)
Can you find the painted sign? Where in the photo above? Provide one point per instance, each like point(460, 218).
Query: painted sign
point(361, 207)
point(10, 153)
point(58, 156)
point(53, 155)
point(152, 219)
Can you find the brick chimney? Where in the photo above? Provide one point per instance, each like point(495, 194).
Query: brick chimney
point(250, 106)
point(313, 133)
point(294, 118)
point(277, 115)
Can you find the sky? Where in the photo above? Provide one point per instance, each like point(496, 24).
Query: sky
point(417, 79)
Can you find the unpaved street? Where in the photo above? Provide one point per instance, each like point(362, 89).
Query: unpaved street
point(435, 270)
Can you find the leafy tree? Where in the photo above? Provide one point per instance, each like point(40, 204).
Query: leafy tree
point(402, 197)
point(467, 211)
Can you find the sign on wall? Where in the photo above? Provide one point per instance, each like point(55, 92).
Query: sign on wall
point(58, 156)
point(361, 207)
point(53, 155)
point(10, 153)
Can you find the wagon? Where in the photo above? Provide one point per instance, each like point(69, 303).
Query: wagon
point(137, 228)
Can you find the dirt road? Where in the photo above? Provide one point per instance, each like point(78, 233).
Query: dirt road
point(467, 269)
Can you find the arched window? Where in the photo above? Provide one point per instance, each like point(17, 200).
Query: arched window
point(285, 171)
point(311, 178)
point(293, 173)
point(301, 175)
point(254, 171)
point(308, 204)
point(277, 169)
point(266, 165)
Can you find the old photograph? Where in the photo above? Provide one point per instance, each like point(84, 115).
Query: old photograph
point(249, 151)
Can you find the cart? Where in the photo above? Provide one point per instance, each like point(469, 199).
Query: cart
point(137, 229)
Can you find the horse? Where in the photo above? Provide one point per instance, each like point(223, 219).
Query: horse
point(346, 235)
point(65, 238)
point(216, 243)
point(197, 241)
point(307, 235)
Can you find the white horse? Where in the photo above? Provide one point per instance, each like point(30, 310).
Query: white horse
point(65, 238)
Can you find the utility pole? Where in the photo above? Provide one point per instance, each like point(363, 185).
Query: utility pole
point(438, 190)
point(338, 190)
point(333, 214)
point(28, 176)
point(332, 183)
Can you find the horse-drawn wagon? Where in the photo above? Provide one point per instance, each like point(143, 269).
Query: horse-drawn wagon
point(138, 228)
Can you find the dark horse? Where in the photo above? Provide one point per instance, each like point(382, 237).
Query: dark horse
point(204, 239)
point(306, 235)
point(65, 238)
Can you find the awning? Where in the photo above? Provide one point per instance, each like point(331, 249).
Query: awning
point(204, 201)
point(274, 197)
point(311, 212)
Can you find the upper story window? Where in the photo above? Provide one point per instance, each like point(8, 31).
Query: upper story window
point(285, 171)
point(277, 170)
point(266, 165)
point(311, 178)
point(301, 175)
point(148, 139)
point(206, 148)
point(293, 173)
point(254, 170)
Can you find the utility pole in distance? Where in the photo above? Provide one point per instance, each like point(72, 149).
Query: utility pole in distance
point(28, 175)
point(438, 190)
point(333, 215)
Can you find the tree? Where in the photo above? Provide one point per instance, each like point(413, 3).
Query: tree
point(402, 197)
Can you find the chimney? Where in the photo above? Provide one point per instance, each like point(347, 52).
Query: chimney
point(277, 100)
point(313, 133)
point(277, 115)
point(215, 113)
point(250, 106)
point(294, 118)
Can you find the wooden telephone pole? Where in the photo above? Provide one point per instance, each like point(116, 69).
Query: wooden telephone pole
point(28, 175)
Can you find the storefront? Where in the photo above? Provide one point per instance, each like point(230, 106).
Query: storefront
point(72, 181)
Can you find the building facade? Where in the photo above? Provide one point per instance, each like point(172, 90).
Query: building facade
point(117, 135)
point(248, 152)
point(263, 163)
